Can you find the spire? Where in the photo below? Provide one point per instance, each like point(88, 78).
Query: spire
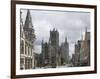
point(86, 34)
point(28, 21)
point(21, 22)
point(20, 16)
point(85, 29)
point(49, 41)
point(53, 29)
point(42, 42)
point(66, 40)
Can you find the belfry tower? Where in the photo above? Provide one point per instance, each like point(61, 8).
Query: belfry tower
point(54, 47)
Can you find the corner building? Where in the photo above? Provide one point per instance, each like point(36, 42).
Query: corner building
point(27, 38)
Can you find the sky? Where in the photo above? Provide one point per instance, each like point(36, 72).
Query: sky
point(68, 23)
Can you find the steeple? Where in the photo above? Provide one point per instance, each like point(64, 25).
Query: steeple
point(66, 40)
point(28, 21)
point(53, 29)
point(21, 24)
point(85, 29)
point(42, 42)
point(28, 28)
point(21, 21)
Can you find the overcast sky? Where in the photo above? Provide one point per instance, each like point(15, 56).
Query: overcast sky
point(69, 24)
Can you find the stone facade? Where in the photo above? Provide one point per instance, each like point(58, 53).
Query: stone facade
point(54, 47)
point(76, 58)
point(27, 38)
point(85, 50)
point(52, 54)
point(81, 57)
point(64, 53)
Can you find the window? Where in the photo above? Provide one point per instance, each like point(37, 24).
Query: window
point(22, 47)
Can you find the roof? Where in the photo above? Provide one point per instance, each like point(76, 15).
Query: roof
point(28, 21)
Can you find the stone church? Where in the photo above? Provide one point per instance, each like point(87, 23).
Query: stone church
point(54, 55)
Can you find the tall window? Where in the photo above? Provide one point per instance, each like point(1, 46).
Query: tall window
point(25, 48)
point(28, 50)
point(21, 63)
point(31, 52)
point(22, 47)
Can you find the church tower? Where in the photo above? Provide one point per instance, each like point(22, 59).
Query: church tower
point(65, 52)
point(54, 47)
point(28, 28)
point(85, 50)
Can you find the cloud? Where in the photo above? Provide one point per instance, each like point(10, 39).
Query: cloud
point(42, 29)
point(69, 24)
